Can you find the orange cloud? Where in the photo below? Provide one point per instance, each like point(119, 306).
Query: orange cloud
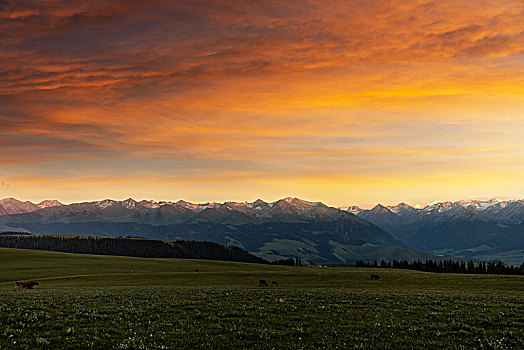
point(247, 93)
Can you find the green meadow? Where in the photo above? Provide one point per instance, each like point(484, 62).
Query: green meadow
point(106, 302)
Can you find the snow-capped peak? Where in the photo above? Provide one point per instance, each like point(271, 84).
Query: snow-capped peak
point(238, 204)
point(149, 204)
point(353, 209)
point(9, 200)
point(187, 205)
point(440, 207)
point(478, 204)
point(129, 203)
point(49, 203)
point(105, 203)
point(298, 203)
point(380, 209)
point(400, 208)
point(10, 206)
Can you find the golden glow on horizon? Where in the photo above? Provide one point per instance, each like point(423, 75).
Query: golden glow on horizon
point(358, 103)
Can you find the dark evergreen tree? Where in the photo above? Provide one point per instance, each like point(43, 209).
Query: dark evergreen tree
point(448, 266)
point(145, 248)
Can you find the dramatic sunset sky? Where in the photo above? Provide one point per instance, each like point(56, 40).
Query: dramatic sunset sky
point(345, 102)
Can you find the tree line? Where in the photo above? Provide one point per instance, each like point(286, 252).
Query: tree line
point(449, 266)
point(15, 233)
point(144, 248)
point(289, 261)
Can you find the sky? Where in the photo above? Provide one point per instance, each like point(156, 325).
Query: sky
point(344, 102)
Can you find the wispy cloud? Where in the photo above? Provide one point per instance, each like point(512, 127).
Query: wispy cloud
point(246, 91)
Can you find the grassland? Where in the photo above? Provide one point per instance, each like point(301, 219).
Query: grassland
point(131, 303)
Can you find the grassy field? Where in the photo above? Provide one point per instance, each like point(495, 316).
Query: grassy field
point(104, 302)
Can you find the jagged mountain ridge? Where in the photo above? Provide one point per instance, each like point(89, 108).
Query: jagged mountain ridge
point(19, 207)
point(160, 213)
point(289, 227)
point(491, 229)
point(10, 206)
point(511, 209)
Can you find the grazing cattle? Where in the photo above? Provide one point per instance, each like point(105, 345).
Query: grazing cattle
point(26, 285)
point(262, 283)
point(375, 277)
point(196, 270)
point(275, 283)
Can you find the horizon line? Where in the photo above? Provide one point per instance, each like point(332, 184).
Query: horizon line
point(414, 204)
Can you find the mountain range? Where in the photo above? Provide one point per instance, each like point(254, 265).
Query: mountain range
point(486, 230)
point(289, 227)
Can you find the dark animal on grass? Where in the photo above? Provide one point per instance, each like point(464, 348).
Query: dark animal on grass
point(275, 283)
point(375, 277)
point(29, 284)
point(26, 285)
point(196, 270)
point(262, 283)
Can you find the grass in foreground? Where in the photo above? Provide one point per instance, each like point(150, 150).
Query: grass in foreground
point(164, 304)
point(190, 318)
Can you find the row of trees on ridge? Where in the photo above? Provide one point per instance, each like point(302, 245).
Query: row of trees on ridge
point(449, 266)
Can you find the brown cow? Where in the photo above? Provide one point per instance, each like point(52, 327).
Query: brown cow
point(262, 283)
point(26, 285)
point(375, 277)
